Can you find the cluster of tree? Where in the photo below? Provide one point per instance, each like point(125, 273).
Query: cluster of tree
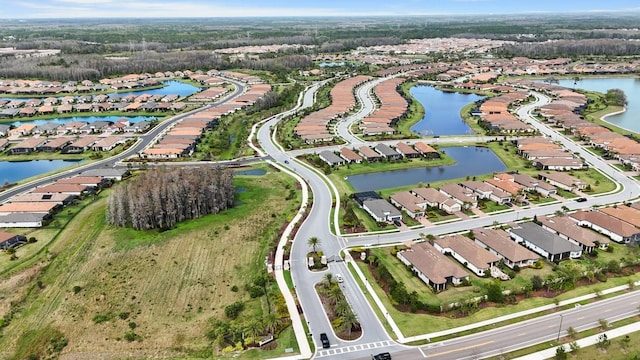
point(338, 309)
point(241, 331)
point(616, 97)
point(161, 198)
point(94, 67)
point(570, 48)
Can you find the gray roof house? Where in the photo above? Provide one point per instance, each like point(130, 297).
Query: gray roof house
point(381, 210)
point(499, 243)
point(331, 158)
point(387, 152)
point(544, 242)
point(4, 129)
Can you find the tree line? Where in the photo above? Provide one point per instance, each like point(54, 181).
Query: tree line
point(95, 67)
point(161, 198)
point(570, 48)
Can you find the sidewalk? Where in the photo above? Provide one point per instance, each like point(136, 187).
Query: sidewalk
point(588, 341)
point(296, 321)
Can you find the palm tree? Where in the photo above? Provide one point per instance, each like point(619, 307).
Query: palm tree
point(341, 308)
point(328, 280)
point(334, 295)
point(253, 328)
point(271, 322)
point(313, 242)
point(349, 320)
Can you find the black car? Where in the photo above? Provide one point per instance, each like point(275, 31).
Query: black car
point(397, 223)
point(581, 199)
point(325, 341)
point(382, 356)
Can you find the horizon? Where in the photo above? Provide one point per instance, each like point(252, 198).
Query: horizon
point(170, 9)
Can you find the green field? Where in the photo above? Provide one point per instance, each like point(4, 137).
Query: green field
point(93, 280)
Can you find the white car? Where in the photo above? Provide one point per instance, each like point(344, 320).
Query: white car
point(339, 278)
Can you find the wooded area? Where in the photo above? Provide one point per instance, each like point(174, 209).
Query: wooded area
point(161, 198)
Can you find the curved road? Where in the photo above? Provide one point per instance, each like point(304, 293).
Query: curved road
point(374, 338)
point(140, 144)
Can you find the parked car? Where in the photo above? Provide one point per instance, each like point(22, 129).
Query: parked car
point(382, 356)
point(581, 199)
point(339, 278)
point(397, 223)
point(325, 341)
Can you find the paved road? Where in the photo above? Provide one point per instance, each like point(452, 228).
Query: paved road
point(318, 224)
point(142, 142)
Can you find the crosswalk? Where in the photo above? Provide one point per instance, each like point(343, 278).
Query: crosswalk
point(353, 348)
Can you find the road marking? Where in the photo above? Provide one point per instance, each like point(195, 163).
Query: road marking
point(580, 318)
point(523, 334)
point(353, 348)
point(607, 310)
point(551, 326)
point(459, 349)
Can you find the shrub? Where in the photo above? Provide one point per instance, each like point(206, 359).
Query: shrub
point(132, 336)
point(255, 291)
point(100, 318)
point(77, 289)
point(232, 311)
point(123, 315)
point(234, 288)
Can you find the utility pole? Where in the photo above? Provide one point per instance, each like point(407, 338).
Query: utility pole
point(560, 328)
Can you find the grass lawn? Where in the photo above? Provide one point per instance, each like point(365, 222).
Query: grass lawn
point(415, 324)
point(170, 284)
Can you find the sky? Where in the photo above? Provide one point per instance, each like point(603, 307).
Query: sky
point(20, 9)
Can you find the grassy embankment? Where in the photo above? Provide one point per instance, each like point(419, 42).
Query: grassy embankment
point(96, 280)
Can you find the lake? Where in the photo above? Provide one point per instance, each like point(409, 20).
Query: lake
point(470, 161)
point(14, 171)
point(631, 87)
point(441, 111)
point(171, 88)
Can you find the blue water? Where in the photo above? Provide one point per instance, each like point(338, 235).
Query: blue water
point(254, 172)
point(13, 171)
point(87, 119)
point(172, 88)
point(631, 87)
point(470, 161)
point(442, 111)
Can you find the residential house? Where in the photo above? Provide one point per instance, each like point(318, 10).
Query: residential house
point(24, 220)
point(107, 173)
point(369, 154)
point(31, 207)
point(361, 197)
point(533, 184)
point(330, 158)
point(624, 213)
point(406, 150)
point(350, 156)
point(62, 199)
point(486, 191)
point(27, 146)
point(10, 240)
point(465, 197)
point(4, 129)
point(499, 243)
point(381, 210)
point(54, 144)
point(71, 189)
point(468, 253)
point(549, 245)
point(617, 230)
point(431, 266)
point(563, 181)
point(426, 150)
point(409, 203)
point(559, 164)
point(569, 229)
point(387, 152)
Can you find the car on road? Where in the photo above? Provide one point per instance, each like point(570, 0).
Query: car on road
point(339, 278)
point(581, 199)
point(382, 356)
point(286, 161)
point(325, 341)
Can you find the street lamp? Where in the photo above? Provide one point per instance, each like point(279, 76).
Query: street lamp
point(560, 328)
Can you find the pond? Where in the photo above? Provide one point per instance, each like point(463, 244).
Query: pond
point(442, 111)
point(171, 88)
point(631, 87)
point(253, 172)
point(470, 161)
point(14, 171)
point(87, 119)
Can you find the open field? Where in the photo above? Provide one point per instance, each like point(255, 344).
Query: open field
point(97, 280)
